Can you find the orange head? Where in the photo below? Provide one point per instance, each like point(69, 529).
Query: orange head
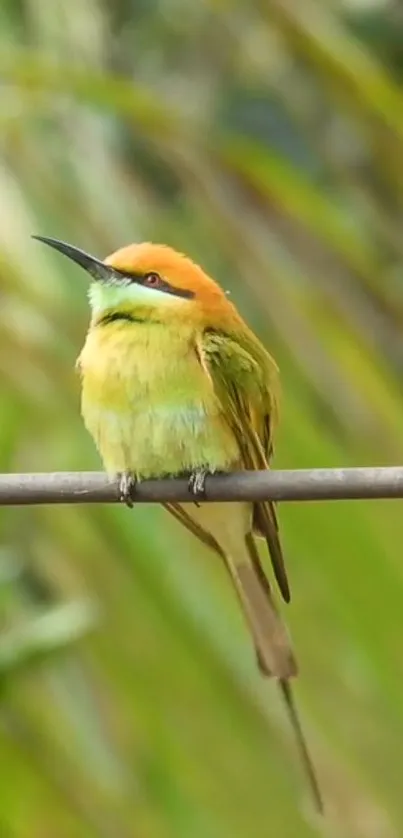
point(153, 278)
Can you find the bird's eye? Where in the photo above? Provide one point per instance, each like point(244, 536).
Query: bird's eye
point(152, 279)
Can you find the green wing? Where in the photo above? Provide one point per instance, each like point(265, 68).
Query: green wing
point(245, 378)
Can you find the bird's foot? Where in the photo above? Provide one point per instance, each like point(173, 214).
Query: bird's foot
point(197, 483)
point(127, 485)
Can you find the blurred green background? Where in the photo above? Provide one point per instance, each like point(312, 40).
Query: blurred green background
point(266, 140)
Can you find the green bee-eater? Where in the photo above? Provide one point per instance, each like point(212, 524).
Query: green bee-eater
point(174, 381)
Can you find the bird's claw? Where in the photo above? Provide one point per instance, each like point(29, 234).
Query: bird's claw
point(197, 483)
point(127, 485)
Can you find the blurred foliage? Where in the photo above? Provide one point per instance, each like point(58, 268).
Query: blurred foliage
point(266, 140)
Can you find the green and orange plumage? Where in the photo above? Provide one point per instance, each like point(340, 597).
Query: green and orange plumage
point(174, 381)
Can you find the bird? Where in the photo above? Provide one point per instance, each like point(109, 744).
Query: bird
point(175, 382)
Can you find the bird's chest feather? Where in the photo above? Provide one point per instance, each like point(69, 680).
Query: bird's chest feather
point(149, 404)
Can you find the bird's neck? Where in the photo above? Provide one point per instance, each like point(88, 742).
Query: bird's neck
point(136, 350)
point(131, 329)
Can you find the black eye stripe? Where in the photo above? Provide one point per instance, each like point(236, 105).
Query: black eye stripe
point(162, 285)
point(114, 316)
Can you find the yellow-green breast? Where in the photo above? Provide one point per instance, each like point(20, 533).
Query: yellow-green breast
point(149, 404)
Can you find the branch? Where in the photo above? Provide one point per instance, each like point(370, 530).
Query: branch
point(302, 485)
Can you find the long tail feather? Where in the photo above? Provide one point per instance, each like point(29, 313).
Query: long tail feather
point(271, 639)
point(266, 590)
point(289, 701)
point(273, 648)
point(270, 663)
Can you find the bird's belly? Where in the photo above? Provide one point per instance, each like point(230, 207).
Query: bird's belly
point(162, 439)
point(150, 406)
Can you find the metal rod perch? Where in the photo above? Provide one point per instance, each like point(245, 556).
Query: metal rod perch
point(289, 485)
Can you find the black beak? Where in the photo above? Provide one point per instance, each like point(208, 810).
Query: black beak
point(93, 266)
